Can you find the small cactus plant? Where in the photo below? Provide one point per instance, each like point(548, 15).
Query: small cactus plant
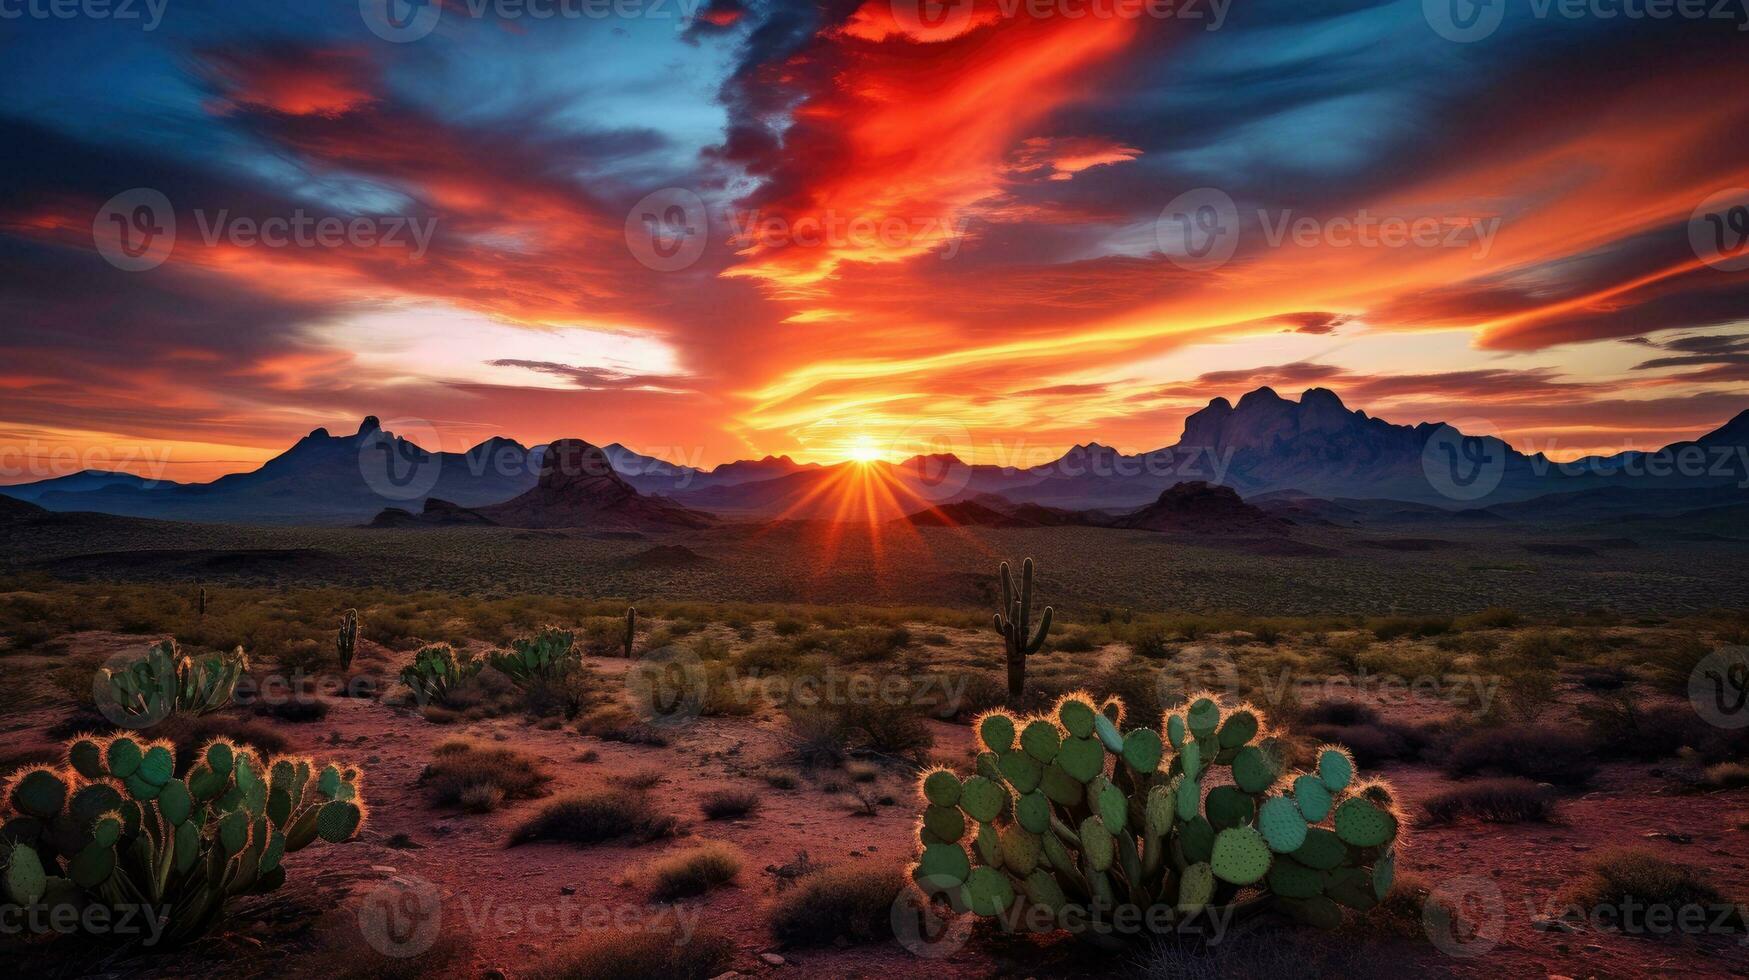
point(436, 670)
point(346, 642)
point(543, 657)
point(1014, 622)
point(1068, 809)
point(200, 603)
point(116, 826)
point(166, 682)
point(631, 630)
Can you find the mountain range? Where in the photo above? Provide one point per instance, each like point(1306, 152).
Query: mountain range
point(1310, 459)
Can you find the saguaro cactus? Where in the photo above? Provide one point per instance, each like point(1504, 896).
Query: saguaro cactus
point(346, 643)
point(1014, 622)
point(200, 603)
point(631, 629)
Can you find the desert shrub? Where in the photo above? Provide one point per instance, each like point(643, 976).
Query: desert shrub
point(1261, 955)
point(780, 779)
point(614, 722)
point(1508, 800)
point(615, 954)
point(1151, 642)
point(728, 804)
point(1656, 886)
point(773, 656)
point(595, 817)
point(460, 767)
point(1493, 618)
point(867, 643)
point(788, 626)
point(1596, 678)
point(1620, 729)
point(295, 708)
point(854, 901)
point(1725, 775)
point(1413, 627)
point(1347, 651)
point(978, 692)
point(1072, 640)
point(1539, 753)
point(481, 798)
point(1358, 726)
point(709, 648)
point(693, 871)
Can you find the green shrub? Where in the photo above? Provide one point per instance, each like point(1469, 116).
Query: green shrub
point(459, 767)
point(854, 901)
point(616, 954)
point(595, 817)
point(693, 871)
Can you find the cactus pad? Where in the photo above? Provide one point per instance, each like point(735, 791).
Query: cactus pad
point(336, 822)
point(1312, 797)
point(1033, 811)
point(996, 731)
point(86, 758)
point(1384, 875)
point(1197, 839)
point(1021, 770)
point(1106, 731)
point(1041, 740)
point(1203, 717)
point(38, 792)
point(1239, 729)
point(982, 799)
point(25, 880)
point(1241, 856)
point(1361, 824)
point(1254, 770)
point(1114, 807)
point(1097, 844)
point(1044, 890)
point(987, 892)
point(1020, 851)
point(1291, 879)
point(1335, 770)
point(1076, 715)
point(1061, 787)
point(1175, 730)
point(1188, 798)
point(945, 822)
point(1142, 750)
point(123, 757)
point(942, 788)
point(1282, 824)
point(944, 861)
point(1229, 807)
point(1196, 887)
point(92, 866)
point(157, 765)
point(1322, 850)
point(1082, 758)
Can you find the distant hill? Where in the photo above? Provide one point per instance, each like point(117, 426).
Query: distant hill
point(82, 482)
point(578, 487)
point(1203, 508)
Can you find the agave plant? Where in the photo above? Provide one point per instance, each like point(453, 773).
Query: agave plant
point(540, 658)
point(118, 827)
point(166, 681)
point(436, 670)
point(1068, 810)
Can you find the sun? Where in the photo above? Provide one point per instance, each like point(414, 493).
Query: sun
point(863, 451)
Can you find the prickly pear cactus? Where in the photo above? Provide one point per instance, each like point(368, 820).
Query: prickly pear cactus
point(543, 657)
point(117, 826)
point(166, 682)
point(1069, 811)
point(436, 670)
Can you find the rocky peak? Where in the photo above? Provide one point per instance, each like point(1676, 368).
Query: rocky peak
point(369, 425)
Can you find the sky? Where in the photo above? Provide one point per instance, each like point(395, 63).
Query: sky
point(720, 229)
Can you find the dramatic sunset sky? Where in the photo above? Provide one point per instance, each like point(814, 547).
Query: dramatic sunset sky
point(1031, 298)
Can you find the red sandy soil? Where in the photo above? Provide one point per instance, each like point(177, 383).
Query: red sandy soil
point(488, 890)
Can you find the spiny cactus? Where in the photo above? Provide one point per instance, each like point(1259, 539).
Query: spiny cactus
point(165, 682)
point(543, 657)
point(1069, 810)
point(200, 603)
point(1014, 622)
point(631, 629)
point(436, 670)
point(346, 642)
point(118, 827)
